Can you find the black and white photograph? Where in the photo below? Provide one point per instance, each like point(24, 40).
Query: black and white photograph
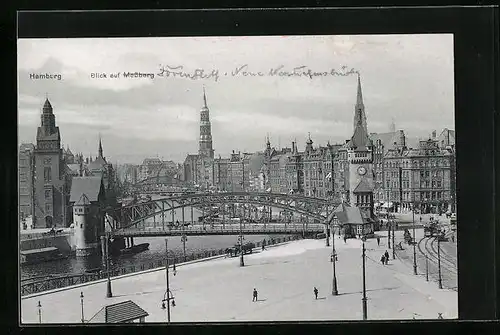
point(237, 179)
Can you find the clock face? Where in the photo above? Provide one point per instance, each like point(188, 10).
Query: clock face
point(362, 170)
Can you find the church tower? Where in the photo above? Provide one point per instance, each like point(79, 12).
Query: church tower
point(360, 159)
point(205, 149)
point(50, 194)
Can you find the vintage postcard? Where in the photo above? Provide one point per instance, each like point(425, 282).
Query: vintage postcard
point(237, 179)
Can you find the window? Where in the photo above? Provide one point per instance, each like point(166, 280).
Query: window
point(47, 174)
point(47, 194)
point(47, 207)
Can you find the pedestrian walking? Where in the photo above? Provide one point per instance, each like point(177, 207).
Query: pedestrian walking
point(254, 295)
point(345, 239)
point(440, 316)
point(453, 238)
point(315, 292)
point(387, 256)
point(382, 259)
point(378, 240)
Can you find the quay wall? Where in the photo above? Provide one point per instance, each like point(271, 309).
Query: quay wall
point(65, 243)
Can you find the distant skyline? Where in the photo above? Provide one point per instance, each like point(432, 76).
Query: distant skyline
point(408, 78)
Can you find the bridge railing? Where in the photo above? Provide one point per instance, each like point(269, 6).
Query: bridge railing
point(229, 229)
point(37, 285)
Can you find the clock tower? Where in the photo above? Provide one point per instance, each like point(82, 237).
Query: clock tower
point(360, 160)
point(50, 193)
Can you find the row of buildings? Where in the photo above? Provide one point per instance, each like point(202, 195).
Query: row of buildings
point(403, 172)
point(149, 169)
point(47, 171)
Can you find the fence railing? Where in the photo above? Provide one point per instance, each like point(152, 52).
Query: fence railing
point(36, 285)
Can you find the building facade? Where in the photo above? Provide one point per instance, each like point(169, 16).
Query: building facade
point(26, 179)
point(423, 177)
point(88, 199)
point(51, 185)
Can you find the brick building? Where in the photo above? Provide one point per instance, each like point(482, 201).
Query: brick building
point(26, 179)
point(424, 176)
point(52, 183)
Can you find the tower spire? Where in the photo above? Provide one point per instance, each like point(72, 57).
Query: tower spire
point(359, 109)
point(359, 100)
point(392, 127)
point(100, 146)
point(204, 97)
point(205, 143)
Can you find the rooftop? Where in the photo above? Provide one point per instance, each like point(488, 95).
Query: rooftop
point(118, 313)
point(90, 186)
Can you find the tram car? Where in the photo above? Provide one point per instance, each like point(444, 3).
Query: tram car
point(431, 229)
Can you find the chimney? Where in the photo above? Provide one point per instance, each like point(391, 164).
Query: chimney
point(434, 135)
point(293, 147)
point(87, 160)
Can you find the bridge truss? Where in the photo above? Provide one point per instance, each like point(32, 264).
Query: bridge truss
point(132, 215)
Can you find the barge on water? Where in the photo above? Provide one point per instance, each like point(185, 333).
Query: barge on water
point(135, 249)
point(34, 256)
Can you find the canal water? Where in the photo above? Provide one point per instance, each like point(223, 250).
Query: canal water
point(156, 250)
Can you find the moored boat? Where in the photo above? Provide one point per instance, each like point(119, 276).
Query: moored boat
point(135, 249)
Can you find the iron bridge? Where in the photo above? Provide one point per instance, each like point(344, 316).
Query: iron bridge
point(319, 210)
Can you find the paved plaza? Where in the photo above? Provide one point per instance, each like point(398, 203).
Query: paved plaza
point(221, 290)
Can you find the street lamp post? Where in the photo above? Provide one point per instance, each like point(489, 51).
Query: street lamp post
point(389, 223)
point(167, 292)
point(39, 312)
point(183, 240)
point(440, 281)
point(334, 260)
point(388, 233)
point(81, 301)
point(109, 293)
point(365, 309)
point(393, 225)
point(242, 262)
point(414, 242)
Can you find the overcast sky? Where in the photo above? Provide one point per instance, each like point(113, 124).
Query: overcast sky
point(405, 77)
